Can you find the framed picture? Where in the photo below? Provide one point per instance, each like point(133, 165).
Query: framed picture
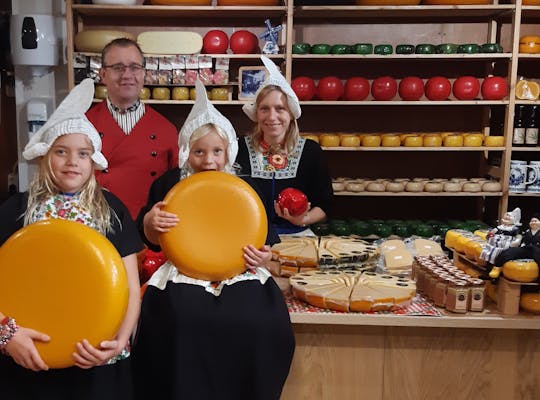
point(250, 79)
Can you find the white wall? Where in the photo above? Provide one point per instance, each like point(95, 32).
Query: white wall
point(51, 88)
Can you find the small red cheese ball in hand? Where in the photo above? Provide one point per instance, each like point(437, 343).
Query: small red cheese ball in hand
point(294, 200)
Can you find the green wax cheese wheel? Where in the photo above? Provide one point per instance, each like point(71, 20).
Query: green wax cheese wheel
point(401, 230)
point(383, 230)
point(447, 48)
point(425, 48)
point(424, 230)
point(383, 49)
point(362, 48)
point(341, 230)
point(491, 48)
point(405, 49)
point(340, 49)
point(301, 48)
point(320, 48)
point(321, 229)
point(360, 228)
point(469, 48)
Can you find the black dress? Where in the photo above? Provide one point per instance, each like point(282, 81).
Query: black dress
point(108, 382)
point(529, 249)
point(194, 345)
point(306, 171)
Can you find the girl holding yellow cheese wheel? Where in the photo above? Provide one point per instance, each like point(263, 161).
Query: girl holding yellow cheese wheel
point(69, 149)
point(276, 157)
point(198, 339)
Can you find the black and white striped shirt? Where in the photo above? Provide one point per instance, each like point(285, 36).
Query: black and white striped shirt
point(127, 118)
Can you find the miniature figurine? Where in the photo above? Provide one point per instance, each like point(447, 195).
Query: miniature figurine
point(271, 38)
point(505, 235)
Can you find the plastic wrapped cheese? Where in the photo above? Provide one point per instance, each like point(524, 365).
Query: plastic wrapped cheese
point(170, 42)
point(94, 41)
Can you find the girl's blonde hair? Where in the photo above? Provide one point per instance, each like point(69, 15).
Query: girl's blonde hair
point(291, 136)
point(91, 197)
point(205, 130)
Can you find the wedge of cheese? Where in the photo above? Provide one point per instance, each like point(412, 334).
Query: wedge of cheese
point(398, 260)
point(170, 42)
point(339, 250)
point(352, 290)
point(299, 251)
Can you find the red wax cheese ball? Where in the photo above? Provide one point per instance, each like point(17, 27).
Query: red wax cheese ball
point(411, 88)
point(466, 88)
point(384, 88)
point(438, 88)
point(244, 42)
point(293, 200)
point(330, 88)
point(356, 89)
point(304, 87)
point(494, 88)
point(215, 42)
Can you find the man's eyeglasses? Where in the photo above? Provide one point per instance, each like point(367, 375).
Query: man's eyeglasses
point(121, 68)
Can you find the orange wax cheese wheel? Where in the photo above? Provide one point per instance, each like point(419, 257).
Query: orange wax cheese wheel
point(64, 279)
point(170, 42)
point(432, 140)
point(371, 140)
point(350, 140)
point(494, 141)
point(522, 270)
point(530, 302)
point(529, 44)
point(218, 212)
point(391, 141)
point(473, 140)
point(93, 41)
point(413, 141)
point(453, 141)
point(329, 140)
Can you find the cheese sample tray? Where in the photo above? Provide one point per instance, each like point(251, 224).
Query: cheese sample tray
point(418, 307)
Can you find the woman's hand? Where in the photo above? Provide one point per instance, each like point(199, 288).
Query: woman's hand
point(157, 221)
point(257, 257)
point(22, 349)
point(299, 220)
point(87, 356)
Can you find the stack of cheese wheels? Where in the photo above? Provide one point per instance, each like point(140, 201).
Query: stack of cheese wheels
point(352, 290)
point(64, 279)
point(215, 209)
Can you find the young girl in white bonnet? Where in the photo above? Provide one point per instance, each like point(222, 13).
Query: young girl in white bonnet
point(209, 340)
point(69, 148)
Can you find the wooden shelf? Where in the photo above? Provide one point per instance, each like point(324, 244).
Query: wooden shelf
point(419, 194)
point(529, 149)
point(333, 14)
point(403, 148)
point(184, 12)
point(524, 194)
point(239, 56)
point(402, 57)
point(407, 103)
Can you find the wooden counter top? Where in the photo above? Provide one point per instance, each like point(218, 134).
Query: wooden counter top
point(489, 319)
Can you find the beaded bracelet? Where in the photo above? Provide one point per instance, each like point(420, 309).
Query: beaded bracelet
point(8, 328)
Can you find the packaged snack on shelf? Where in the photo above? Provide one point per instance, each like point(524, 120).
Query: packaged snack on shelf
point(191, 76)
point(206, 75)
point(80, 66)
point(94, 66)
point(221, 77)
point(178, 77)
point(151, 76)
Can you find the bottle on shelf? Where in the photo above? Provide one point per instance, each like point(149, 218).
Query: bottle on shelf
point(518, 136)
point(531, 130)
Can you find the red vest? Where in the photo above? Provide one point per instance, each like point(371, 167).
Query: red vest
point(137, 159)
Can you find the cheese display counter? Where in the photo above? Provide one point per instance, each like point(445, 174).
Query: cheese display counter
point(392, 356)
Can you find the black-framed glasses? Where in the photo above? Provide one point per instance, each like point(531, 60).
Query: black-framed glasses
point(122, 68)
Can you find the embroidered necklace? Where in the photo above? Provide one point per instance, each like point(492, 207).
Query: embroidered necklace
point(275, 154)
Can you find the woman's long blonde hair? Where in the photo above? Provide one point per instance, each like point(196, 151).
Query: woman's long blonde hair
point(91, 197)
point(291, 136)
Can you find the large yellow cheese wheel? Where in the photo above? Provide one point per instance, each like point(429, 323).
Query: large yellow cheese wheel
point(219, 214)
point(311, 136)
point(64, 279)
point(371, 140)
point(390, 140)
point(522, 270)
point(169, 42)
point(494, 141)
point(329, 140)
point(473, 140)
point(349, 140)
point(530, 302)
point(453, 141)
point(432, 140)
point(94, 41)
point(161, 93)
point(413, 141)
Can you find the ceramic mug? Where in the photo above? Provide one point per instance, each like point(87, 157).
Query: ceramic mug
point(534, 177)
point(518, 176)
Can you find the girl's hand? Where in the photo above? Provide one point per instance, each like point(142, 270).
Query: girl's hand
point(157, 221)
point(257, 257)
point(298, 220)
point(22, 349)
point(87, 356)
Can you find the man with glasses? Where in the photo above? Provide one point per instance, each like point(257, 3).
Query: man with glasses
point(138, 142)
